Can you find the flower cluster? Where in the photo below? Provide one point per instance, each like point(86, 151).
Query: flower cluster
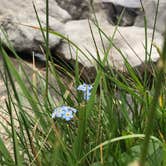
point(64, 112)
point(86, 89)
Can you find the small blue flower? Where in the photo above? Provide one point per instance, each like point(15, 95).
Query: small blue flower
point(68, 115)
point(58, 112)
point(87, 95)
point(64, 112)
point(86, 89)
point(71, 109)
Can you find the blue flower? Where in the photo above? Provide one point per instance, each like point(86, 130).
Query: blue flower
point(86, 89)
point(71, 109)
point(64, 112)
point(68, 115)
point(87, 95)
point(58, 112)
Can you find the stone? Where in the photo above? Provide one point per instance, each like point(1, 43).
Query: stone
point(128, 39)
point(125, 3)
point(15, 13)
point(150, 7)
point(79, 9)
point(114, 12)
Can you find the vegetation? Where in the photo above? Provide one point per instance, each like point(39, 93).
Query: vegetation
point(121, 121)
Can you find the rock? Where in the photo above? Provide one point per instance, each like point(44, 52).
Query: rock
point(150, 7)
point(125, 39)
point(125, 3)
point(14, 14)
point(114, 13)
point(79, 9)
point(131, 41)
point(115, 8)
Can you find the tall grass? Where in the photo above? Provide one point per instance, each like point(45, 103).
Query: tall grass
point(123, 121)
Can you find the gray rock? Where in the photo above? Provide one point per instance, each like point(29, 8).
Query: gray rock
point(114, 12)
point(116, 7)
point(125, 3)
point(79, 9)
point(125, 39)
point(15, 13)
point(150, 7)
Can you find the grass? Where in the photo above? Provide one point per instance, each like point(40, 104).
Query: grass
point(122, 122)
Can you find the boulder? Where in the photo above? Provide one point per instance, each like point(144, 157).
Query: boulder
point(79, 9)
point(15, 13)
point(114, 12)
point(130, 40)
point(130, 9)
point(125, 3)
point(150, 7)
